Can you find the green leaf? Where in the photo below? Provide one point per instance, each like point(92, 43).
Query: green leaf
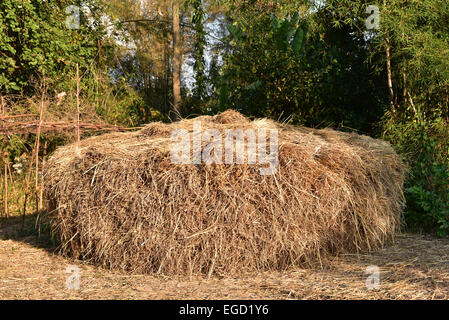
point(298, 41)
point(253, 86)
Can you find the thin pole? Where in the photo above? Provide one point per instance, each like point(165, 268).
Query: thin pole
point(28, 177)
point(77, 106)
point(6, 183)
point(38, 137)
point(41, 193)
point(3, 105)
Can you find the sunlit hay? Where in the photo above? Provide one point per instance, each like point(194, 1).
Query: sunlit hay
point(123, 204)
point(230, 116)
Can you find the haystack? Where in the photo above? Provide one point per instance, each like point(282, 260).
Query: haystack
point(121, 202)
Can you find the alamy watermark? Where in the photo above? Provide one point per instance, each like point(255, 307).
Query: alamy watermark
point(73, 16)
point(73, 280)
point(373, 279)
point(187, 148)
point(373, 21)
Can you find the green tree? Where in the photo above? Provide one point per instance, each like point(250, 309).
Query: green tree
point(288, 61)
point(35, 42)
point(411, 48)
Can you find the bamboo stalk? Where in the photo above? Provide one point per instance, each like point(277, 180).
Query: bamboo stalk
point(8, 167)
point(77, 106)
point(404, 90)
point(3, 199)
point(38, 136)
point(27, 186)
point(41, 190)
point(389, 76)
point(3, 105)
point(6, 183)
point(3, 117)
point(57, 126)
point(10, 175)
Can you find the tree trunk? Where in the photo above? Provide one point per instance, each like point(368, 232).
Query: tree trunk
point(177, 61)
point(390, 82)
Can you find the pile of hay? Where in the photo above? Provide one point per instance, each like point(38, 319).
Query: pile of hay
point(120, 202)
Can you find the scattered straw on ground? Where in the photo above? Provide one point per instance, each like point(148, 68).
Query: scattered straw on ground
point(415, 267)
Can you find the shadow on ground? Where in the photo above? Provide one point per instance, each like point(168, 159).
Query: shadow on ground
point(414, 267)
point(32, 229)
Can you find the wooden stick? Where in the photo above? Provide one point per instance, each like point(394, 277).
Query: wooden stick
point(389, 77)
point(77, 106)
point(38, 136)
point(28, 178)
point(3, 105)
point(41, 190)
point(3, 117)
point(6, 183)
point(20, 127)
point(10, 175)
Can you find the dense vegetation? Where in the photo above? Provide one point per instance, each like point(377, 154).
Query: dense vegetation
point(315, 63)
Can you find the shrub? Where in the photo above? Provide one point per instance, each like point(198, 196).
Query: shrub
point(423, 140)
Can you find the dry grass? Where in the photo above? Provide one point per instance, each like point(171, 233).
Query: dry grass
point(119, 202)
point(415, 267)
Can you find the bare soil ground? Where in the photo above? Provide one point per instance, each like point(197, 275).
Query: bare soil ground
point(415, 267)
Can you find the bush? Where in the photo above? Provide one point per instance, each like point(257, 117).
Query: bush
point(423, 140)
point(36, 43)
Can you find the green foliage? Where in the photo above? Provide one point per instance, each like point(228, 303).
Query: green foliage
point(423, 140)
point(198, 17)
point(290, 65)
point(264, 65)
point(416, 34)
point(35, 42)
point(115, 102)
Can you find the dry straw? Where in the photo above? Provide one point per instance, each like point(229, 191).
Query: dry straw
point(121, 203)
